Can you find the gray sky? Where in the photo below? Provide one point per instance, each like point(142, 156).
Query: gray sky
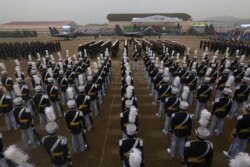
point(95, 11)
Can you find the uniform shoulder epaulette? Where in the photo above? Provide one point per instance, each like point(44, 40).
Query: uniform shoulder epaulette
point(63, 140)
point(141, 142)
point(120, 142)
point(45, 96)
point(27, 110)
point(188, 144)
point(121, 115)
point(216, 100)
point(7, 96)
point(240, 117)
point(44, 138)
point(173, 115)
point(87, 97)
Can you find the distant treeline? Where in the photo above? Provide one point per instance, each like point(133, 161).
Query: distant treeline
point(18, 34)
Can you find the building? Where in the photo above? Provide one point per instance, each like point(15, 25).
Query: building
point(42, 27)
point(161, 22)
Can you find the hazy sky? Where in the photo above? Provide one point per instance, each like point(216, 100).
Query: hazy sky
point(95, 11)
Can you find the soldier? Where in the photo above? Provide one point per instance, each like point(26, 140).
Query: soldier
point(136, 57)
point(83, 104)
point(70, 75)
point(199, 152)
point(202, 68)
point(181, 127)
point(63, 84)
point(41, 101)
point(23, 117)
point(56, 146)
point(52, 92)
point(223, 81)
point(45, 75)
point(212, 73)
point(6, 109)
point(129, 99)
point(238, 74)
point(128, 144)
point(240, 134)
point(91, 91)
point(128, 117)
point(8, 84)
point(240, 96)
point(26, 95)
point(55, 70)
point(203, 96)
point(183, 76)
point(171, 106)
point(164, 92)
point(75, 123)
point(157, 81)
point(221, 109)
point(191, 82)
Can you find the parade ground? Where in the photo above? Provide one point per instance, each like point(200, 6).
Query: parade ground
point(103, 140)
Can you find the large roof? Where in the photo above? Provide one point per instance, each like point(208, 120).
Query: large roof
point(129, 17)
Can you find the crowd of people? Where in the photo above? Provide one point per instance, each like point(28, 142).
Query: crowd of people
point(131, 147)
point(176, 83)
point(16, 50)
point(223, 46)
point(72, 81)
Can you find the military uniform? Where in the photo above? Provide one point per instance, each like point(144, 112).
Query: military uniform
point(75, 123)
point(201, 70)
point(241, 135)
point(25, 94)
point(83, 104)
point(52, 92)
point(91, 91)
point(56, 146)
point(198, 153)
point(240, 96)
point(127, 102)
point(164, 92)
point(6, 109)
point(181, 127)
point(8, 84)
point(124, 121)
point(203, 96)
point(63, 85)
point(171, 106)
point(41, 101)
point(191, 82)
point(24, 119)
point(221, 109)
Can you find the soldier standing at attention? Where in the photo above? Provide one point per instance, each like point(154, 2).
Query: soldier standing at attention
point(56, 146)
point(240, 134)
point(128, 144)
point(181, 127)
point(199, 152)
point(75, 123)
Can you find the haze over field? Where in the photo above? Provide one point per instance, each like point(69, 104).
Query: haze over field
point(95, 11)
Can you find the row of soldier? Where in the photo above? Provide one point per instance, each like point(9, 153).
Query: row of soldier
point(173, 86)
point(22, 49)
point(225, 45)
point(81, 88)
point(131, 147)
